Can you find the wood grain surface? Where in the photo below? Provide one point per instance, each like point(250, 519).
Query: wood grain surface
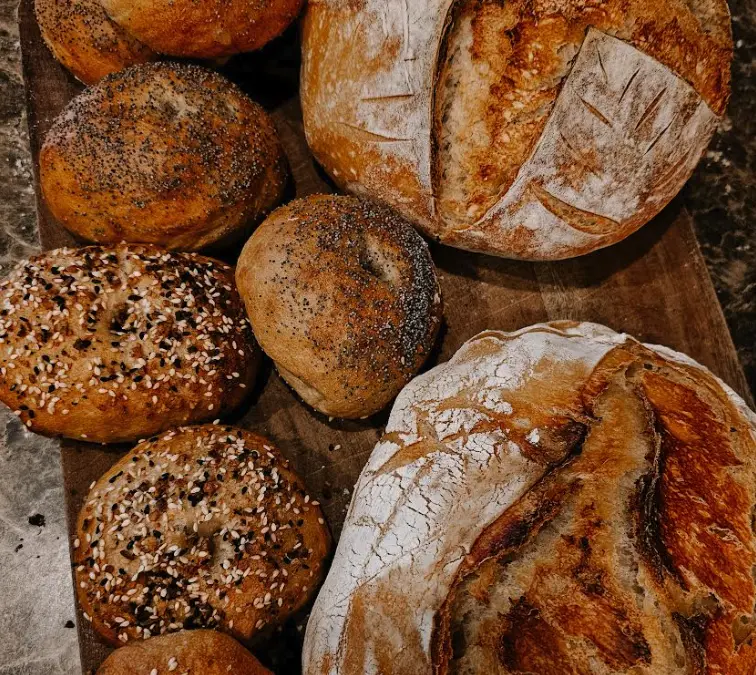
point(653, 285)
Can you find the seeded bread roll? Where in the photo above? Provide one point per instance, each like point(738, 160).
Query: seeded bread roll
point(204, 527)
point(561, 500)
point(83, 38)
point(162, 153)
point(207, 29)
point(200, 652)
point(116, 344)
point(342, 294)
point(536, 129)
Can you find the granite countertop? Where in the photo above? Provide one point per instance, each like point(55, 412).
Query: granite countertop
point(36, 597)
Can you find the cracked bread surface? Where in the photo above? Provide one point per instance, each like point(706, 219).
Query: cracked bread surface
point(562, 499)
point(534, 130)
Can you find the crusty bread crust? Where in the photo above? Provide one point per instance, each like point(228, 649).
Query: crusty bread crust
point(207, 29)
point(163, 153)
point(115, 344)
point(204, 652)
point(84, 39)
point(557, 500)
point(204, 527)
point(600, 108)
point(342, 294)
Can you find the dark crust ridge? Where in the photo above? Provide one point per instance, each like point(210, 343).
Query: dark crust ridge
point(686, 520)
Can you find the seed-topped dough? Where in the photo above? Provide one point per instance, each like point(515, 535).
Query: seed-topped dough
point(343, 296)
point(162, 153)
point(196, 652)
point(115, 344)
point(204, 527)
point(85, 40)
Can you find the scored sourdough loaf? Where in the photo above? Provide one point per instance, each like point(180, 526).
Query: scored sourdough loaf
point(84, 39)
point(539, 129)
point(562, 499)
point(112, 344)
point(203, 527)
point(196, 652)
point(162, 153)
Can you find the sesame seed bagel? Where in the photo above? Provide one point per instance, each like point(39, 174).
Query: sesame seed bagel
point(85, 40)
point(162, 153)
point(204, 527)
point(115, 344)
point(342, 294)
point(200, 652)
point(207, 29)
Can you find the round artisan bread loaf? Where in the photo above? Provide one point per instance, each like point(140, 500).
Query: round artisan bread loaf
point(204, 527)
point(207, 29)
point(84, 39)
point(115, 344)
point(527, 129)
point(162, 153)
point(204, 652)
point(342, 294)
point(562, 499)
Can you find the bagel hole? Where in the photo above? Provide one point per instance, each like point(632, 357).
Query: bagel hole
point(118, 318)
point(373, 259)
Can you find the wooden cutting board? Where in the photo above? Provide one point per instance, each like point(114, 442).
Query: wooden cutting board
point(654, 285)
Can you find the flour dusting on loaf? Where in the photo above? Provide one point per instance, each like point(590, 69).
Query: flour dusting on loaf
point(453, 112)
point(562, 456)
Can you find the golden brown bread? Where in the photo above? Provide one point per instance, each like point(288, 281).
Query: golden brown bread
point(115, 344)
point(197, 652)
point(559, 500)
point(203, 527)
point(342, 294)
point(162, 153)
point(207, 29)
point(84, 39)
point(535, 129)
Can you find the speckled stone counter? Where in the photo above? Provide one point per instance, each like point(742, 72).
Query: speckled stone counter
point(36, 598)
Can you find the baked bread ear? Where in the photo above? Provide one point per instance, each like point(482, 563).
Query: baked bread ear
point(562, 499)
point(342, 294)
point(207, 29)
point(113, 344)
point(203, 527)
point(536, 130)
point(84, 39)
point(163, 153)
point(204, 652)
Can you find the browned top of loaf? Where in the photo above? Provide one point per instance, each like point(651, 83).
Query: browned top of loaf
point(520, 54)
point(204, 527)
point(83, 38)
point(635, 550)
point(154, 141)
point(343, 294)
point(197, 652)
point(122, 342)
point(207, 29)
